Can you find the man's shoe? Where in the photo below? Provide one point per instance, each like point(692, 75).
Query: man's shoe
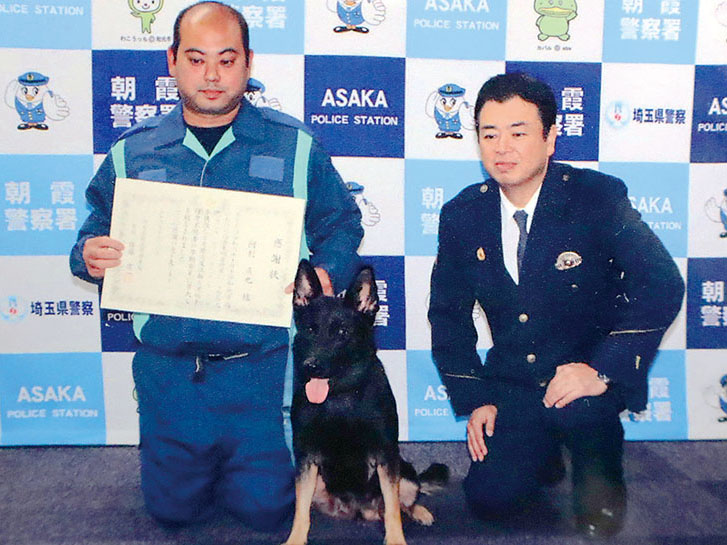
point(604, 523)
point(600, 508)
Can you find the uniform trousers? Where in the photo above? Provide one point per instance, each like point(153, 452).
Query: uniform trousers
point(526, 438)
point(214, 438)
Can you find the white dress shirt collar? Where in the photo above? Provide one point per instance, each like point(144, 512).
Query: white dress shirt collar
point(511, 232)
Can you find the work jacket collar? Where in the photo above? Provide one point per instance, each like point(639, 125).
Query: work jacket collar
point(248, 124)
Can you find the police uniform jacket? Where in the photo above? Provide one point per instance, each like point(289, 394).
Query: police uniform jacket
point(596, 286)
point(30, 113)
point(262, 152)
point(448, 123)
point(350, 16)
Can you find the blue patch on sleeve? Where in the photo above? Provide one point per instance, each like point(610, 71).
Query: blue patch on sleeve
point(264, 166)
point(156, 175)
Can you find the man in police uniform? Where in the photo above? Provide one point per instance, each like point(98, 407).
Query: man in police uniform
point(577, 291)
point(210, 393)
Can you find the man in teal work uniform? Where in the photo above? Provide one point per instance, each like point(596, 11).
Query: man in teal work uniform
point(577, 291)
point(210, 393)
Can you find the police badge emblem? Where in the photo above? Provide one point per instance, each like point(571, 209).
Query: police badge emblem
point(568, 260)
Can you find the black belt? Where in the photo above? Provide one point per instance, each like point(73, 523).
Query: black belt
point(201, 361)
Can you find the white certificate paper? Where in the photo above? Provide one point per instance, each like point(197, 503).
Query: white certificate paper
point(199, 252)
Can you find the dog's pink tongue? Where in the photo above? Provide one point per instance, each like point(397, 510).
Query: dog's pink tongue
point(317, 390)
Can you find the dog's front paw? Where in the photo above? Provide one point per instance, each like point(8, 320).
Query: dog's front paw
point(296, 541)
point(422, 515)
point(394, 538)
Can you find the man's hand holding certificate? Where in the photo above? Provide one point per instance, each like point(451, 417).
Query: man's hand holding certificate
point(203, 253)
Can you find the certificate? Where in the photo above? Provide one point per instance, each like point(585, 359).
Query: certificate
point(207, 253)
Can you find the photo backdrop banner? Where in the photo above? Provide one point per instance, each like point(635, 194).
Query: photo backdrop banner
point(388, 87)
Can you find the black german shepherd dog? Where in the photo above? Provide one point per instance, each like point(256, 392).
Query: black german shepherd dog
point(345, 425)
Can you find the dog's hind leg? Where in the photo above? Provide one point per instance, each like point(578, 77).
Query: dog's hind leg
point(408, 492)
point(305, 486)
point(392, 510)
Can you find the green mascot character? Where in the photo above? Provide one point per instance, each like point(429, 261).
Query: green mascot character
point(555, 16)
point(146, 10)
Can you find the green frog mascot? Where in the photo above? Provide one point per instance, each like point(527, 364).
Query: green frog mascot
point(555, 16)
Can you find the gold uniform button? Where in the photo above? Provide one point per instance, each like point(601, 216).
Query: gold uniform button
point(543, 383)
point(484, 188)
point(523, 318)
point(530, 358)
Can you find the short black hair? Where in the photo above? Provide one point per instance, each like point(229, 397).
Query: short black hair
point(230, 10)
point(503, 87)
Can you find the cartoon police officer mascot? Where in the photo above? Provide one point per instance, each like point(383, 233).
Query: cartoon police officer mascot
point(717, 212)
point(450, 110)
point(354, 13)
point(34, 101)
point(255, 94)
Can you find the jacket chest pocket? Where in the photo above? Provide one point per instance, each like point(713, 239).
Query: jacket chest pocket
point(153, 175)
point(571, 282)
point(267, 167)
point(582, 275)
point(266, 174)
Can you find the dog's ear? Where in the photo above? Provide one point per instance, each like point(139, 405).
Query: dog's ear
point(307, 285)
point(362, 294)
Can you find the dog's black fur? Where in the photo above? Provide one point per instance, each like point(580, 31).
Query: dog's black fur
point(347, 431)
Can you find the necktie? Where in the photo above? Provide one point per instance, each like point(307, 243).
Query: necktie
point(521, 218)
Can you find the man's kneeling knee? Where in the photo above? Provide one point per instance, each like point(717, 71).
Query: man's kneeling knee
point(265, 519)
point(173, 517)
